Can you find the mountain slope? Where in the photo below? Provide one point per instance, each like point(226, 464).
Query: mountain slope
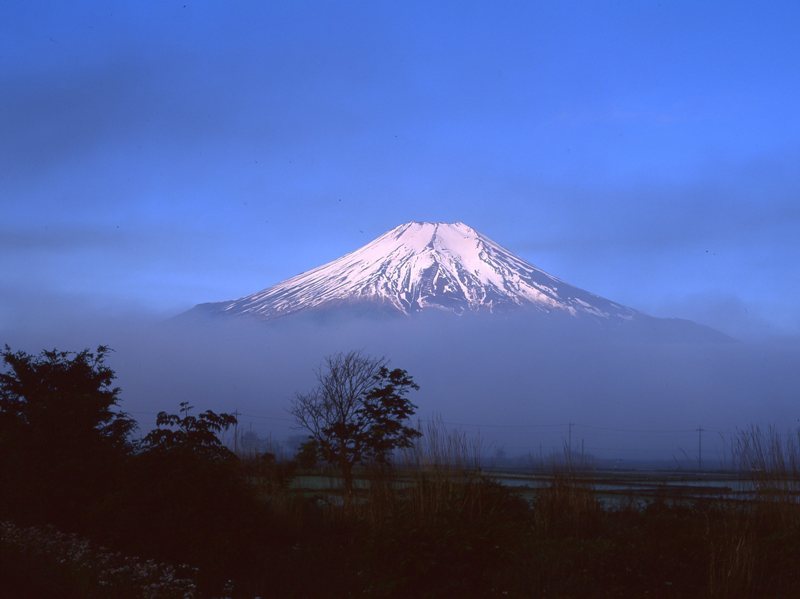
point(422, 266)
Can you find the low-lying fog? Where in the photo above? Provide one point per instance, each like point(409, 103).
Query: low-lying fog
point(516, 383)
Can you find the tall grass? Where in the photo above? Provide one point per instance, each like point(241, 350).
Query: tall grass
point(569, 505)
point(732, 554)
point(771, 460)
point(435, 525)
point(429, 477)
point(443, 450)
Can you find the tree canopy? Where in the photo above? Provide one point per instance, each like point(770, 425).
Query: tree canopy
point(190, 435)
point(63, 396)
point(358, 411)
point(60, 432)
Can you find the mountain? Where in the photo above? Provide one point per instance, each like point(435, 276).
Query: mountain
point(421, 266)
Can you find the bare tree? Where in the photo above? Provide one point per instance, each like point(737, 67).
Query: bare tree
point(357, 412)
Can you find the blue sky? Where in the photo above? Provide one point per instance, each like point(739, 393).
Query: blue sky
point(154, 155)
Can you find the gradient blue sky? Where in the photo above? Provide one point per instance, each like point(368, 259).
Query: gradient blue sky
point(154, 155)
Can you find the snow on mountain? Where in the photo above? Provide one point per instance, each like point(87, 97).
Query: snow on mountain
point(422, 266)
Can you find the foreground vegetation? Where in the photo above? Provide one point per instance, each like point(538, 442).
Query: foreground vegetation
point(85, 513)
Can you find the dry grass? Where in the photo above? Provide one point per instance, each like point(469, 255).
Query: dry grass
point(443, 450)
point(569, 505)
point(733, 557)
point(772, 462)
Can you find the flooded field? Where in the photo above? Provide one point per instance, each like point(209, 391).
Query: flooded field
point(612, 489)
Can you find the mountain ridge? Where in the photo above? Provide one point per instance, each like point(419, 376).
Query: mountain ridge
point(423, 265)
point(440, 267)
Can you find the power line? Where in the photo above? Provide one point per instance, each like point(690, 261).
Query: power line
point(494, 425)
point(265, 417)
point(636, 430)
point(517, 425)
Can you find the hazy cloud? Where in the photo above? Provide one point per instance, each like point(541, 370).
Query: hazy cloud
point(46, 121)
point(726, 313)
point(739, 204)
point(516, 382)
point(60, 239)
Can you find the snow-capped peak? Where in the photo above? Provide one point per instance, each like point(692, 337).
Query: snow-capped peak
point(422, 265)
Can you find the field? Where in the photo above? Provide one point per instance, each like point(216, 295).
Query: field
point(453, 532)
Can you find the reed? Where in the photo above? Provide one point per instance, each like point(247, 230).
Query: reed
point(732, 555)
point(444, 450)
point(771, 461)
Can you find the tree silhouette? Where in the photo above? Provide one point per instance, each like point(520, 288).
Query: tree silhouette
point(191, 497)
point(195, 435)
point(60, 435)
point(357, 413)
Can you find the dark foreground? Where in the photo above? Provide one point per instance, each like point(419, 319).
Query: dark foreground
point(445, 534)
point(86, 510)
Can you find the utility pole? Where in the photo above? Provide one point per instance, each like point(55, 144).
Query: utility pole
point(236, 415)
point(569, 445)
point(700, 431)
